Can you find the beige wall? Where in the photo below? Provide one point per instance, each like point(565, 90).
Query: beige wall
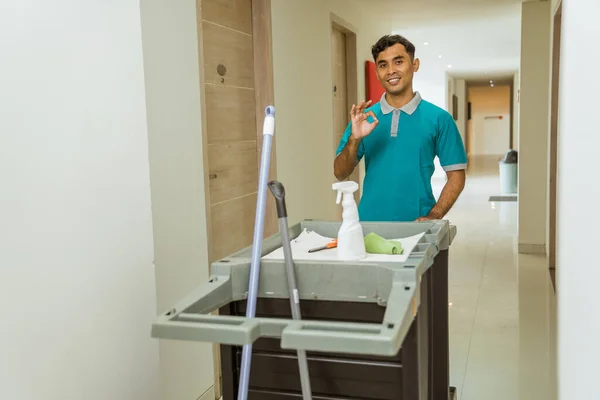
point(461, 93)
point(489, 101)
point(170, 45)
point(516, 118)
point(303, 98)
point(458, 87)
point(554, 7)
point(533, 138)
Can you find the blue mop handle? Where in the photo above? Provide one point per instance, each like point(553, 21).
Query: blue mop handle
point(259, 223)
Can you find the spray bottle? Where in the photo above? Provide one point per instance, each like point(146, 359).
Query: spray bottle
point(351, 241)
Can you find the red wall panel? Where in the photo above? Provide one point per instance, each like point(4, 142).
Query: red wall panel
point(374, 90)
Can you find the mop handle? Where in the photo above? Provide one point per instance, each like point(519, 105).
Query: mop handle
point(278, 192)
point(268, 132)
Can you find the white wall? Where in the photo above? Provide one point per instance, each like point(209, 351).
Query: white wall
point(303, 97)
point(577, 267)
point(516, 114)
point(170, 39)
point(533, 138)
point(77, 279)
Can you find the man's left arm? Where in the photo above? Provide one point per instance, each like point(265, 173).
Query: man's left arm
point(450, 150)
point(452, 189)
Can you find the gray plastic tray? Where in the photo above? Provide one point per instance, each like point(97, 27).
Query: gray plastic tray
point(391, 285)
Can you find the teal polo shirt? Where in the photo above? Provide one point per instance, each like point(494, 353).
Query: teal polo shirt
point(399, 159)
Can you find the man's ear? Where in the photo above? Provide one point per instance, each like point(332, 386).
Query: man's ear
point(416, 64)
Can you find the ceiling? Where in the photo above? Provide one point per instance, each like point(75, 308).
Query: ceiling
point(475, 38)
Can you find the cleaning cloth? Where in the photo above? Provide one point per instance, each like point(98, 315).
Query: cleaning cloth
point(375, 244)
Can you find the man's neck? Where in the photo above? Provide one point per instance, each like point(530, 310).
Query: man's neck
point(400, 100)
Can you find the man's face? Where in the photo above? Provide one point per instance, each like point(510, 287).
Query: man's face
point(395, 69)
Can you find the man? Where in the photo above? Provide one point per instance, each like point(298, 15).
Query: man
point(399, 137)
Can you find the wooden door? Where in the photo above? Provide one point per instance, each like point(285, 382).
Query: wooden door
point(234, 39)
point(341, 50)
point(554, 137)
point(232, 138)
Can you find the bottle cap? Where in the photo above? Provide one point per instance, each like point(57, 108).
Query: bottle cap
point(344, 187)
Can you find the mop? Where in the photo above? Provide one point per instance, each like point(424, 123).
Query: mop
point(268, 131)
point(279, 192)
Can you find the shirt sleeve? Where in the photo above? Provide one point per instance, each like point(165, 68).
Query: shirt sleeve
point(344, 140)
point(449, 146)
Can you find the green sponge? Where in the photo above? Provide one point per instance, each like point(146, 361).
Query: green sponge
point(375, 244)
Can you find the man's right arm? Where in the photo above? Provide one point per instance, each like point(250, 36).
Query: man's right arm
point(351, 150)
point(346, 161)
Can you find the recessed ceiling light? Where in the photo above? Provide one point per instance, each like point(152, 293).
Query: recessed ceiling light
point(449, 66)
point(440, 56)
point(426, 44)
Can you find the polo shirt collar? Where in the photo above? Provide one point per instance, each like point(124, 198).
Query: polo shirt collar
point(408, 108)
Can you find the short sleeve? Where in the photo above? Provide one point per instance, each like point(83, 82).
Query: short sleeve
point(449, 146)
point(344, 140)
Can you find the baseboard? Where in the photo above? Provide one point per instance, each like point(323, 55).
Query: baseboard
point(208, 395)
point(527, 248)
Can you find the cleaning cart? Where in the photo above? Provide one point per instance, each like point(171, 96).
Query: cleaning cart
point(370, 329)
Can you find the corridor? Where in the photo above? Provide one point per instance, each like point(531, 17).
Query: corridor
point(501, 303)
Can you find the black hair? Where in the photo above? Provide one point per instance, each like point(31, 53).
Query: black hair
point(391, 40)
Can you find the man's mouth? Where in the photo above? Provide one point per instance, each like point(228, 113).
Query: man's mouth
point(393, 80)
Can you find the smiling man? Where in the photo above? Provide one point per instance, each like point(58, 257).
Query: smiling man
point(399, 137)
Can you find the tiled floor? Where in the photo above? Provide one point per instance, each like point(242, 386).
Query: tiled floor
point(502, 305)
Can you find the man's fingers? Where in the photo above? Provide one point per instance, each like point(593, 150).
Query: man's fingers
point(357, 113)
point(359, 118)
point(372, 115)
point(359, 108)
point(364, 105)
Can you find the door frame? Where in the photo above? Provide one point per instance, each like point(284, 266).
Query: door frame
point(338, 23)
point(264, 95)
point(553, 150)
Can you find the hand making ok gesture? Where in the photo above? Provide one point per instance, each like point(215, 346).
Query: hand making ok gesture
point(361, 127)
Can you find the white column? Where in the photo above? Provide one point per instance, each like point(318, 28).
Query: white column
point(173, 101)
point(578, 193)
point(533, 126)
point(516, 119)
